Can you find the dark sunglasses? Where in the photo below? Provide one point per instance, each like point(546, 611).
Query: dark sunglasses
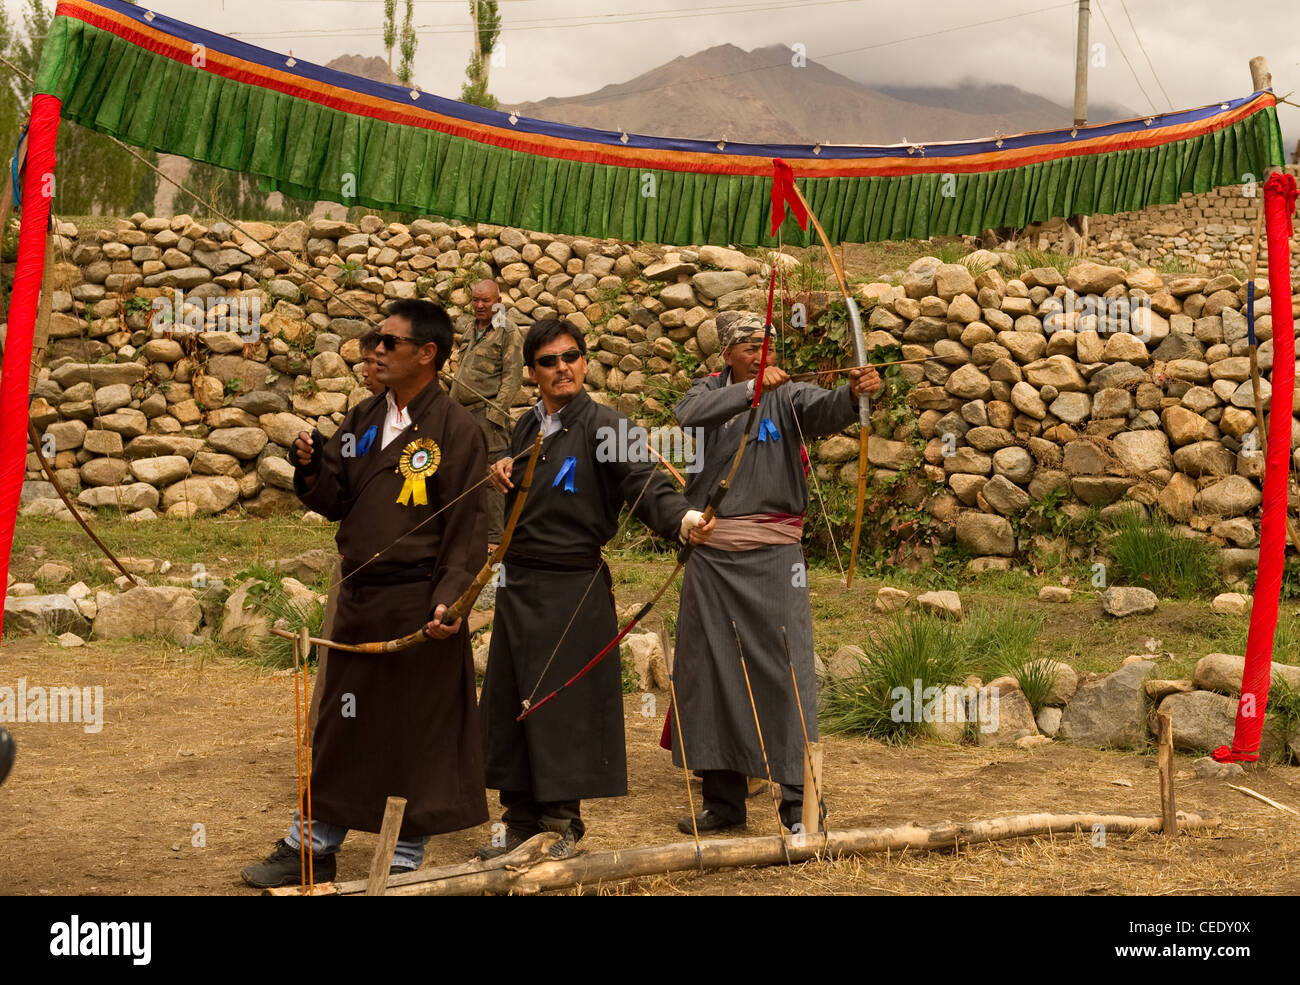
point(550, 361)
point(389, 341)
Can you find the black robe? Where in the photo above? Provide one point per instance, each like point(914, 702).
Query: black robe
point(400, 724)
point(574, 747)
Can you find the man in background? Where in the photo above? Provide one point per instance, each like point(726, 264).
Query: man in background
point(489, 374)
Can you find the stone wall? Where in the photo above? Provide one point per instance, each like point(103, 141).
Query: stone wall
point(1212, 232)
point(1024, 395)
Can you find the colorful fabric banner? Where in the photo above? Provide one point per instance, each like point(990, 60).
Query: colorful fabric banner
point(1279, 207)
point(38, 187)
point(314, 133)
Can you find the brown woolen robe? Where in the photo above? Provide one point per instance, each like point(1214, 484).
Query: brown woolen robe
point(401, 724)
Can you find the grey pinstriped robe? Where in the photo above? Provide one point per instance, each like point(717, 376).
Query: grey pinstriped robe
point(761, 589)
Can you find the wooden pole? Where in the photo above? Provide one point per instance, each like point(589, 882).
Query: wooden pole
point(1081, 66)
point(1165, 760)
point(1260, 77)
point(600, 868)
point(383, 860)
point(812, 783)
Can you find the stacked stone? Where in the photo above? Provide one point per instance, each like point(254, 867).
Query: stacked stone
point(191, 419)
point(1212, 231)
point(1027, 396)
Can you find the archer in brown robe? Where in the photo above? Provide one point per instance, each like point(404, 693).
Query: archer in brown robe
point(400, 724)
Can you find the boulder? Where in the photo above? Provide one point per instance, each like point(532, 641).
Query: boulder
point(890, 599)
point(647, 654)
point(1202, 721)
point(1230, 497)
point(42, 615)
point(985, 534)
point(143, 611)
point(1093, 278)
point(161, 471)
point(848, 661)
point(1120, 601)
point(1230, 604)
point(1012, 718)
point(1223, 672)
point(202, 494)
point(1111, 712)
point(946, 604)
point(1142, 451)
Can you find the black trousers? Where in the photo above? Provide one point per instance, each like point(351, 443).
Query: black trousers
point(725, 792)
point(524, 816)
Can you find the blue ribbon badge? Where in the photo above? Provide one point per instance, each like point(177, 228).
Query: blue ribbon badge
point(367, 440)
point(767, 429)
point(566, 474)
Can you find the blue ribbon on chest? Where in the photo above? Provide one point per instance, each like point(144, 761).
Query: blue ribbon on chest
point(767, 429)
point(567, 473)
point(367, 439)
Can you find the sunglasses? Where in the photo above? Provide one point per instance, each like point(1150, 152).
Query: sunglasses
point(551, 360)
point(389, 341)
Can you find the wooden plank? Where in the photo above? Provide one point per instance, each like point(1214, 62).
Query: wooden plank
point(1165, 760)
point(812, 786)
point(383, 860)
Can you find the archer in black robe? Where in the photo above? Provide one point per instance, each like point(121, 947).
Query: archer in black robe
point(400, 724)
point(574, 747)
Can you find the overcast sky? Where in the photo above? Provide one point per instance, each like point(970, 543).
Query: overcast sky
point(1198, 49)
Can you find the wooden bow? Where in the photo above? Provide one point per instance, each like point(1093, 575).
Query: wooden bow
point(462, 605)
point(860, 354)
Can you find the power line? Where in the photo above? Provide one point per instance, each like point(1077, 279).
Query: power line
point(575, 20)
point(1114, 37)
point(1138, 38)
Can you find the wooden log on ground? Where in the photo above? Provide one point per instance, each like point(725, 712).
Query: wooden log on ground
point(599, 868)
point(383, 860)
point(533, 850)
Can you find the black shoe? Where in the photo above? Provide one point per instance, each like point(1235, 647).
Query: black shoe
point(397, 870)
point(513, 841)
point(707, 821)
point(283, 867)
point(7, 752)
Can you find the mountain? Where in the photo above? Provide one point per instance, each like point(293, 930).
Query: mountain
point(761, 97)
point(373, 68)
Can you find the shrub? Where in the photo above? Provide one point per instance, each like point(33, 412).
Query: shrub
point(1148, 553)
point(907, 649)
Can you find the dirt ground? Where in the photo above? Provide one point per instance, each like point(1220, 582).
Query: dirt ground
point(210, 742)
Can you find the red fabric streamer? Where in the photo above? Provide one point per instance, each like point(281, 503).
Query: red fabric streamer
point(783, 194)
point(38, 186)
point(1279, 206)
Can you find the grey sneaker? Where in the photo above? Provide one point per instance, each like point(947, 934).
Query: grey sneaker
point(284, 868)
point(567, 846)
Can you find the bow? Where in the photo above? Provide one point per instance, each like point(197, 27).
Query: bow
point(710, 511)
point(465, 602)
point(860, 354)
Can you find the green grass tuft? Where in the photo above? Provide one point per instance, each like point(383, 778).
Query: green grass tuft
point(904, 650)
point(1149, 554)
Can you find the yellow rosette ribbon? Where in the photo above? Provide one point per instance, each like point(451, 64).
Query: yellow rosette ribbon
point(419, 460)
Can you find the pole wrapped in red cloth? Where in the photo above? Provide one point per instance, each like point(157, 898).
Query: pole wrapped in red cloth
point(38, 188)
point(1279, 206)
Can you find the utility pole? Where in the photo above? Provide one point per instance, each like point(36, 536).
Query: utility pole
point(1081, 68)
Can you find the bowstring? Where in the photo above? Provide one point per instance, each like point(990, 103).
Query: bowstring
point(812, 469)
point(582, 601)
